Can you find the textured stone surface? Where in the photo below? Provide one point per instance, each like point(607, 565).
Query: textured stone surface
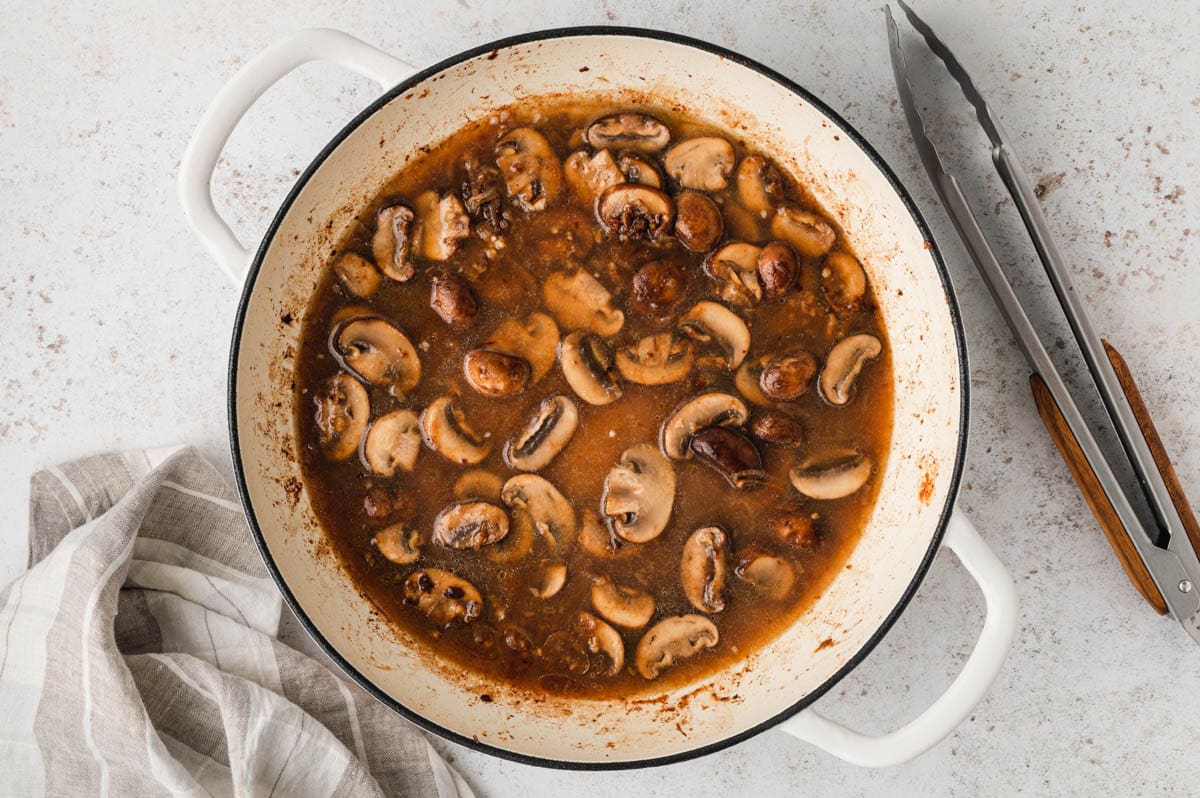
point(115, 323)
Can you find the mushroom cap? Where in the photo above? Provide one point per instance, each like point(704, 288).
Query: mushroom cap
point(777, 428)
point(671, 640)
point(470, 525)
point(788, 375)
point(634, 131)
point(358, 274)
point(600, 638)
point(706, 410)
point(535, 340)
point(759, 184)
point(731, 454)
point(711, 321)
point(581, 302)
point(343, 408)
point(639, 494)
point(496, 374)
point(832, 475)
point(636, 211)
point(622, 605)
point(843, 365)
point(546, 434)
point(442, 224)
point(443, 596)
point(393, 442)
point(551, 513)
point(703, 163)
point(808, 232)
point(399, 544)
point(532, 173)
point(843, 281)
point(698, 221)
point(702, 568)
point(587, 365)
point(772, 576)
point(778, 268)
point(447, 433)
point(656, 359)
point(746, 381)
point(375, 349)
point(391, 246)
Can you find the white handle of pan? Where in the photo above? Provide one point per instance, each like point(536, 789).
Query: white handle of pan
point(235, 99)
point(966, 691)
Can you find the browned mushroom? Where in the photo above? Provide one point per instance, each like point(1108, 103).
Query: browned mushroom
point(703, 163)
point(658, 285)
point(358, 274)
point(343, 408)
point(530, 168)
point(453, 300)
point(698, 223)
point(778, 269)
point(788, 376)
point(772, 576)
point(735, 267)
point(831, 475)
point(843, 365)
point(775, 427)
point(589, 175)
point(391, 246)
point(656, 359)
point(624, 606)
point(633, 131)
point(443, 596)
point(808, 232)
point(760, 185)
point(636, 212)
point(393, 442)
point(447, 433)
point(399, 544)
point(638, 170)
point(495, 374)
point(587, 365)
point(673, 639)
point(375, 349)
point(702, 568)
point(534, 340)
point(639, 493)
point(581, 302)
point(731, 454)
point(843, 281)
point(443, 224)
point(470, 525)
point(707, 410)
point(710, 322)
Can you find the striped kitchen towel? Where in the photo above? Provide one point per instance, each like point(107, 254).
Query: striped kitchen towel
point(139, 655)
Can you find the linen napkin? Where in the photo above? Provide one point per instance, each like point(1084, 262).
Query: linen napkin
point(139, 654)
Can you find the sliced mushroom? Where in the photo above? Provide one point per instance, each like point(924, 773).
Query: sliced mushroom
point(622, 605)
point(393, 442)
point(760, 185)
point(375, 350)
point(794, 527)
point(711, 322)
point(546, 434)
point(702, 568)
point(551, 513)
point(778, 268)
point(483, 196)
point(391, 246)
point(534, 340)
point(671, 640)
point(778, 428)
point(443, 596)
point(517, 543)
point(581, 302)
point(843, 365)
point(735, 267)
point(731, 454)
point(656, 359)
point(746, 381)
point(343, 408)
point(496, 374)
point(442, 222)
point(600, 541)
point(447, 433)
point(713, 409)
point(600, 638)
point(698, 223)
point(637, 169)
point(453, 300)
point(589, 175)
point(358, 274)
point(703, 163)
point(833, 475)
point(532, 173)
point(633, 131)
point(470, 525)
point(636, 212)
point(553, 579)
point(808, 232)
point(788, 376)
point(399, 544)
point(843, 281)
point(478, 483)
point(658, 285)
point(587, 364)
point(639, 494)
point(773, 576)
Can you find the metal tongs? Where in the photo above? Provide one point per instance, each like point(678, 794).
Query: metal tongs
point(1160, 560)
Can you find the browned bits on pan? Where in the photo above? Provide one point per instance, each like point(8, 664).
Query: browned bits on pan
point(658, 285)
point(780, 429)
point(453, 300)
point(698, 223)
point(788, 376)
point(778, 267)
point(794, 527)
point(496, 374)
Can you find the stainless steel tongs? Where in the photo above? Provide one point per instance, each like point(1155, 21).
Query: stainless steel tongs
point(1160, 560)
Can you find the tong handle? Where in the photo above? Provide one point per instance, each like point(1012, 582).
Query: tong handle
point(1159, 452)
point(1093, 492)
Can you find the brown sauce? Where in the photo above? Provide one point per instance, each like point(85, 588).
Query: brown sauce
point(511, 634)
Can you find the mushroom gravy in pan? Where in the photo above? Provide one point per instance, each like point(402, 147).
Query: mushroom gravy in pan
point(594, 399)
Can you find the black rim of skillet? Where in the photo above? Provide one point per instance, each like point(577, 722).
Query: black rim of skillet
point(786, 712)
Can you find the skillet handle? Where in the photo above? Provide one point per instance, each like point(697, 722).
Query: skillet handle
point(231, 104)
point(964, 693)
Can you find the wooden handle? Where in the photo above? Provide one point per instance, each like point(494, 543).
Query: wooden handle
point(1155, 444)
point(1092, 491)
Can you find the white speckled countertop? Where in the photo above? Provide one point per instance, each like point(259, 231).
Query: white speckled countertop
point(115, 324)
